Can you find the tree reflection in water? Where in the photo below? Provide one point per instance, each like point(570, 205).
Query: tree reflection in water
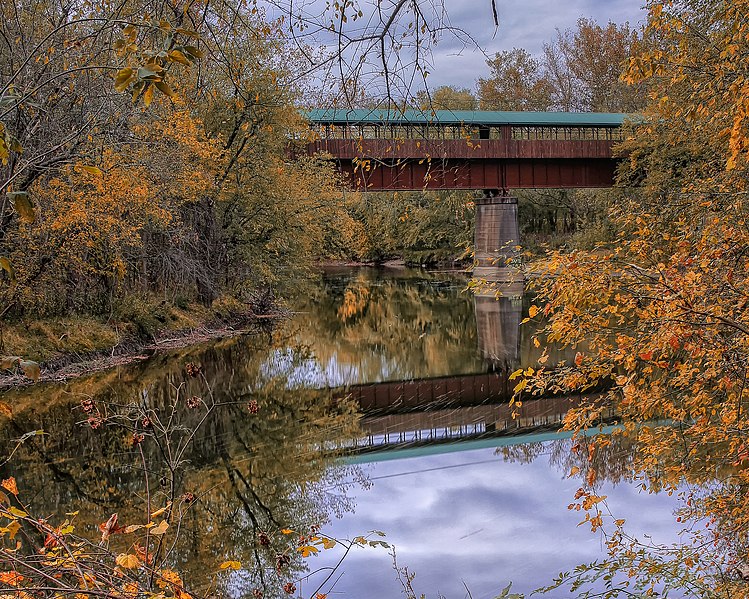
point(260, 459)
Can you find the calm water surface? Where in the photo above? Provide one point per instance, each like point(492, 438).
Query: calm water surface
point(470, 497)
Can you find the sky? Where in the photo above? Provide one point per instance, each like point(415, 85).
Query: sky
point(522, 24)
point(470, 518)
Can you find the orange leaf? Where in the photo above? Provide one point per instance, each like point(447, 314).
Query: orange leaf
point(169, 577)
point(12, 578)
point(9, 484)
point(646, 355)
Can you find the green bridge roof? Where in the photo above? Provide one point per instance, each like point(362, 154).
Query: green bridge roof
point(366, 116)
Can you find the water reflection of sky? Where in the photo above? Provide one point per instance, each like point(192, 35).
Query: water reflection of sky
point(472, 518)
point(312, 373)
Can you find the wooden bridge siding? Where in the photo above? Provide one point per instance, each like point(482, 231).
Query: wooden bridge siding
point(482, 174)
point(475, 149)
point(415, 395)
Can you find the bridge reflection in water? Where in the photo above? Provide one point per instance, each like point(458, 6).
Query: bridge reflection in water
point(462, 407)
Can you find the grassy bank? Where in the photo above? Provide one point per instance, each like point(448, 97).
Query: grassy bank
point(71, 345)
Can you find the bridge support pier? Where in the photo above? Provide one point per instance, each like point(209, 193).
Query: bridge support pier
point(498, 325)
point(496, 237)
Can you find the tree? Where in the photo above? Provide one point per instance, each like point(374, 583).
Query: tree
point(188, 190)
point(127, 167)
point(579, 72)
point(584, 68)
point(516, 82)
point(447, 97)
point(661, 316)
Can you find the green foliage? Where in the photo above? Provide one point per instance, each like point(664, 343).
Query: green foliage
point(577, 218)
point(516, 82)
point(144, 315)
point(447, 97)
point(420, 227)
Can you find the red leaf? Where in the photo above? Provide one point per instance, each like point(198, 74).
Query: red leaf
point(110, 527)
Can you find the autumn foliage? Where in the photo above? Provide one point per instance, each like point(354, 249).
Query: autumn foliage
point(176, 180)
point(660, 317)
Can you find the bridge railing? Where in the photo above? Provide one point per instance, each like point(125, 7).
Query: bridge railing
point(464, 132)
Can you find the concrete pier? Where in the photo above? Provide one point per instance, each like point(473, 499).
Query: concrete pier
point(498, 316)
point(496, 238)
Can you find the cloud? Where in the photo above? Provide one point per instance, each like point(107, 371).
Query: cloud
point(472, 517)
point(522, 23)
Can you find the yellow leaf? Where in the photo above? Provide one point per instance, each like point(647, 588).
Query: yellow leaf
point(160, 511)
point(165, 89)
point(161, 528)
point(516, 374)
point(92, 170)
point(231, 564)
point(287, 531)
point(177, 56)
point(13, 529)
point(127, 561)
point(14, 511)
point(133, 528)
point(148, 95)
point(328, 543)
point(123, 78)
point(532, 311)
point(308, 550)
point(22, 203)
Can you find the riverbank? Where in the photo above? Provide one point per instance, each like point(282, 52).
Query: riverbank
point(70, 347)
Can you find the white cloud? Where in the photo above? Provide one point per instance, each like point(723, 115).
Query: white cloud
point(456, 517)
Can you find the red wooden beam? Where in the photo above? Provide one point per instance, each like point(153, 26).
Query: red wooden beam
point(392, 165)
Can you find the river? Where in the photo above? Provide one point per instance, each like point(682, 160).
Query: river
point(381, 405)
